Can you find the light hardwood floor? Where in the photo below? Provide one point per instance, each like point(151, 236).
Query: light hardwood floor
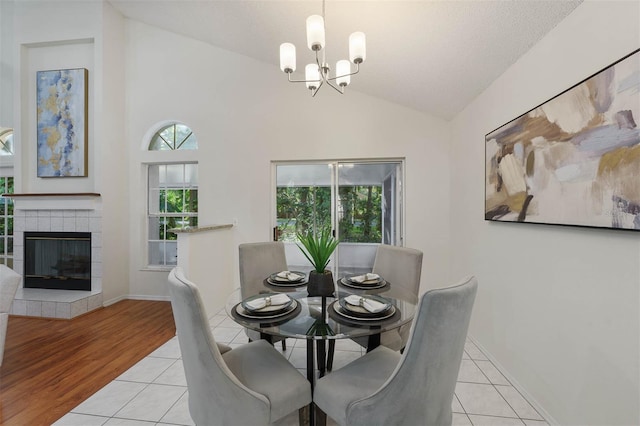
point(50, 366)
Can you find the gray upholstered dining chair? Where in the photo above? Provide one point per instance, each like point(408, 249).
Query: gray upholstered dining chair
point(402, 267)
point(385, 387)
point(257, 261)
point(249, 385)
point(9, 283)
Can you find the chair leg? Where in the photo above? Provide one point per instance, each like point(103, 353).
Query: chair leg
point(284, 344)
point(303, 416)
point(332, 348)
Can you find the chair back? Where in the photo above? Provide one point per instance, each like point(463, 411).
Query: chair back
point(401, 266)
point(257, 262)
point(421, 388)
point(216, 396)
point(9, 283)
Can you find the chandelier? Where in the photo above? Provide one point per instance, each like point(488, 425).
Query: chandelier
point(319, 73)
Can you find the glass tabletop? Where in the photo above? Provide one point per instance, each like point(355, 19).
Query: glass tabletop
point(311, 319)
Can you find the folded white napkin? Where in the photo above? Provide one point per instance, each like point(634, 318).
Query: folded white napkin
point(366, 277)
point(271, 300)
point(370, 305)
point(288, 275)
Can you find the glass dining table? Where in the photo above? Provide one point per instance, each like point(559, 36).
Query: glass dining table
point(322, 320)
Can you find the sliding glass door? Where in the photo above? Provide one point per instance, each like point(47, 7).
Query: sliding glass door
point(360, 201)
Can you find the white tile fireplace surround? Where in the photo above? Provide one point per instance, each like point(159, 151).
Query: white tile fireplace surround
point(57, 213)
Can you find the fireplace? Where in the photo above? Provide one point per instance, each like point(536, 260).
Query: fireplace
point(57, 260)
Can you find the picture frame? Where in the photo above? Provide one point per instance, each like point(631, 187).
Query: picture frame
point(62, 123)
point(573, 160)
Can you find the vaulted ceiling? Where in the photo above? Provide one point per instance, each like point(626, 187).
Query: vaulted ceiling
point(432, 56)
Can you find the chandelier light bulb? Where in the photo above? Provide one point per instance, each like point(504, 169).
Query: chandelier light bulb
point(312, 76)
point(315, 32)
point(343, 69)
point(287, 57)
point(357, 47)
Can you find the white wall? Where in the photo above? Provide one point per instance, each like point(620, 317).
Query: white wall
point(61, 34)
point(245, 114)
point(110, 149)
point(6, 64)
point(557, 307)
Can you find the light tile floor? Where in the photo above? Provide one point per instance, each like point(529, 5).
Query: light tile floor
point(154, 391)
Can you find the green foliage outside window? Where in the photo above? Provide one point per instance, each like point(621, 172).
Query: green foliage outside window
point(304, 209)
point(177, 201)
point(361, 214)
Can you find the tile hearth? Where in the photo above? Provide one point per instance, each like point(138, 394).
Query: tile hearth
point(60, 304)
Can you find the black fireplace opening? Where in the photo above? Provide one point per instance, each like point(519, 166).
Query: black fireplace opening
point(57, 260)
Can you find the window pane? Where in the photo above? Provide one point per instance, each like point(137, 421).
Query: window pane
point(189, 143)
point(302, 209)
point(156, 200)
point(154, 228)
point(173, 137)
point(171, 253)
point(6, 141)
point(191, 175)
point(174, 177)
point(191, 201)
point(171, 223)
point(159, 144)
point(360, 213)
point(174, 200)
point(156, 253)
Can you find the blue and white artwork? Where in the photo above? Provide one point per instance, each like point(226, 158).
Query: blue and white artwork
point(62, 122)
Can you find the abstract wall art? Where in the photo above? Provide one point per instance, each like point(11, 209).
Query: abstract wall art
point(62, 122)
point(575, 159)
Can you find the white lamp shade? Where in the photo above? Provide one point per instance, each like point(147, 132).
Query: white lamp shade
point(357, 47)
point(343, 67)
point(315, 32)
point(287, 57)
point(312, 76)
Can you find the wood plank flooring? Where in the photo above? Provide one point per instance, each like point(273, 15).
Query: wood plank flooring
point(50, 366)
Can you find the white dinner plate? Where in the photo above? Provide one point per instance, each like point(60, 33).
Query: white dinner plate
point(351, 284)
point(246, 314)
point(388, 314)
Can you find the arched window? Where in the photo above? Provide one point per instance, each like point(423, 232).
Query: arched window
point(172, 194)
point(172, 137)
point(6, 141)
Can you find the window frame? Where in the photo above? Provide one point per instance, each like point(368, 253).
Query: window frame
point(152, 157)
point(399, 198)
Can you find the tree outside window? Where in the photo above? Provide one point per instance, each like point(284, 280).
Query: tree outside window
point(308, 208)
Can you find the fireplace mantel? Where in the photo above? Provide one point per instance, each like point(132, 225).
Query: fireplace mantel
point(55, 200)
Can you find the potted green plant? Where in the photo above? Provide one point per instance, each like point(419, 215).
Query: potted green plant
point(318, 249)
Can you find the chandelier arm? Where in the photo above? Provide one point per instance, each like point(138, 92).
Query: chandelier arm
point(317, 88)
point(302, 81)
point(339, 90)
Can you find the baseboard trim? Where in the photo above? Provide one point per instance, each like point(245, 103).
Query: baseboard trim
point(544, 413)
point(135, 297)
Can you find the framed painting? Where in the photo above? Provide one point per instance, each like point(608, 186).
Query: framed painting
point(62, 122)
point(573, 160)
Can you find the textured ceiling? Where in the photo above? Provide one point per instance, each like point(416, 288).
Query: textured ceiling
point(432, 56)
